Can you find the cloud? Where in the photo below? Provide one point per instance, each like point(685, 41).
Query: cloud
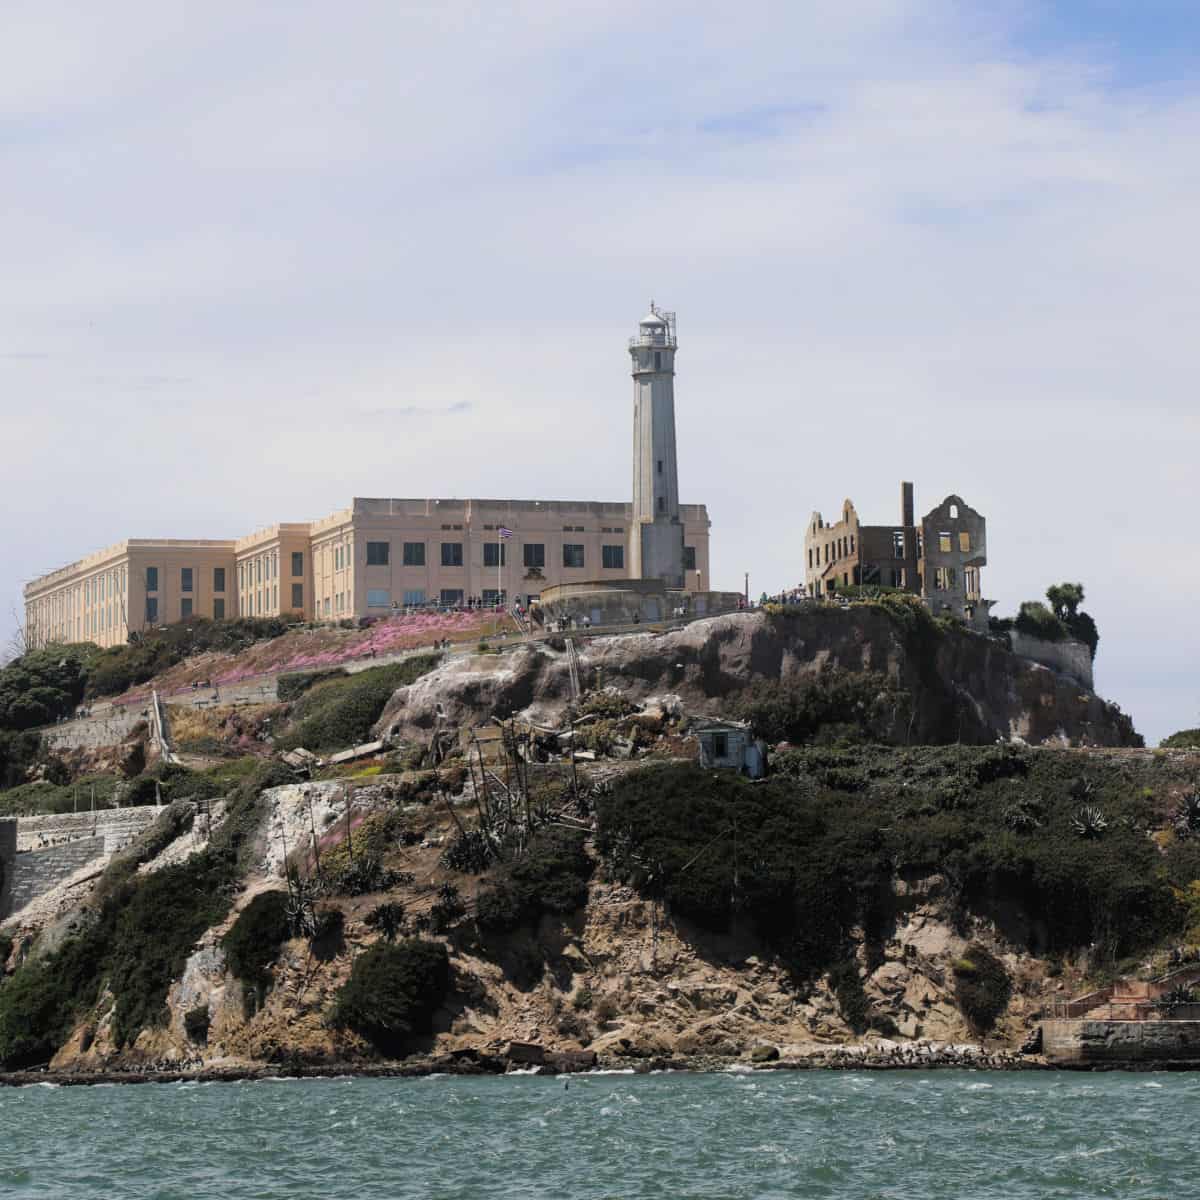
point(905, 238)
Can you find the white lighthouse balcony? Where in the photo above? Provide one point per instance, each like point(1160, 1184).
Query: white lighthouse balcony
point(653, 339)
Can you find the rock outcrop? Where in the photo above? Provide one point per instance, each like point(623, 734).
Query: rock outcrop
point(964, 687)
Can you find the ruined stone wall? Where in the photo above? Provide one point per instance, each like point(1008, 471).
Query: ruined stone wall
point(1069, 658)
point(1083, 1042)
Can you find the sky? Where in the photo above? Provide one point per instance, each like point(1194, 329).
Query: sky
point(258, 259)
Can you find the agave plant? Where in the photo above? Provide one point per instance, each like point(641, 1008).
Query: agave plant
point(1186, 821)
point(1089, 822)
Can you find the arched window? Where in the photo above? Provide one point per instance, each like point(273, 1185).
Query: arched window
point(954, 511)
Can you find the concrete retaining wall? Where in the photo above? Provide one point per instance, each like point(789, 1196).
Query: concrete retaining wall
point(117, 827)
point(1083, 1042)
point(35, 872)
point(1069, 658)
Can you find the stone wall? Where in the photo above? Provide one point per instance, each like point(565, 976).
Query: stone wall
point(1069, 658)
point(93, 733)
point(116, 827)
point(1083, 1042)
point(36, 871)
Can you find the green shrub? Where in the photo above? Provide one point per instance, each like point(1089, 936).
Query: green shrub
point(981, 987)
point(388, 919)
point(339, 712)
point(253, 943)
point(1184, 739)
point(393, 992)
point(42, 685)
point(551, 877)
point(857, 706)
point(19, 751)
point(288, 687)
point(6, 940)
point(1035, 620)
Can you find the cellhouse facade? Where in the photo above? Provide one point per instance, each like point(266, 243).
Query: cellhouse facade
point(381, 554)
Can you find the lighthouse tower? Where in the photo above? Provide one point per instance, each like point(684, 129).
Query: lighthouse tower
point(656, 534)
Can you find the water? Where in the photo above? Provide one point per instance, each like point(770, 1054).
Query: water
point(912, 1134)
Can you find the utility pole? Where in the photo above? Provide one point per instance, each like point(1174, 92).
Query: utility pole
point(747, 584)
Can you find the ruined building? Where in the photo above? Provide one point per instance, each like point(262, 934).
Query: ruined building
point(939, 559)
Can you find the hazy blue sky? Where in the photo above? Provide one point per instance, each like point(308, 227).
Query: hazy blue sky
point(258, 258)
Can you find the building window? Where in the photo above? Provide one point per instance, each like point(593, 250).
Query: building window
point(378, 598)
point(964, 542)
point(452, 555)
point(218, 579)
point(662, 504)
point(414, 554)
point(297, 563)
point(275, 598)
point(151, 607)
point(493, 598)
point(572, 555)
point(920, 544)
point(415, 595)
point(897, 543)
point(377, 554)
point(493, 554)
point(954, 512)
point(689, 558)
point(452, 597)
point(720, 745)
point(218, 609)
point(298, 596)
point(152, 579)
point(337, 559)
point(944, 542)
point(660, 466)
point(185, 579)
point(185, 607)
point(535, 554)
point(612, 558)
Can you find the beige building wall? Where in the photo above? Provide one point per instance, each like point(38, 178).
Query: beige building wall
point(273, 572)
point(364, 560)
point(126, 588)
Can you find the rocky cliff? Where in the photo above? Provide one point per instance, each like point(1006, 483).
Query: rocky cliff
point(963, 687)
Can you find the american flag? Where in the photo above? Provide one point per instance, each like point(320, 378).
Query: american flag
point(504, 532)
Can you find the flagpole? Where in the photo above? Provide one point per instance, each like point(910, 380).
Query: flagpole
point(499, 561)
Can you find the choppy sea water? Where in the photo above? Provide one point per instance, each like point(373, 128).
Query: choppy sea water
point(910, 1134)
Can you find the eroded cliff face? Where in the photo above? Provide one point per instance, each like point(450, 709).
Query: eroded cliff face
point(964, 687)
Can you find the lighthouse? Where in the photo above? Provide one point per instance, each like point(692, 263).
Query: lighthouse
point(656, 532)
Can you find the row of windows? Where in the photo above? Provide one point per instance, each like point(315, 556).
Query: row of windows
point(495, 554)
point(451, 597)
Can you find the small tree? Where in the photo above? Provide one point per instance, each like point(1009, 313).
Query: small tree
point(1065, 599)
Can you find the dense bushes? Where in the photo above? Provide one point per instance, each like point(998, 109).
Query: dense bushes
point(808, 854)
point(41, 686)
point(339, 712)
point(393, 992)
point(981, 987)
point(253, 943)
point(18, 752)
point(836, 705)
point(1062, 619)
point(1184, 739)
point(551, 877)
